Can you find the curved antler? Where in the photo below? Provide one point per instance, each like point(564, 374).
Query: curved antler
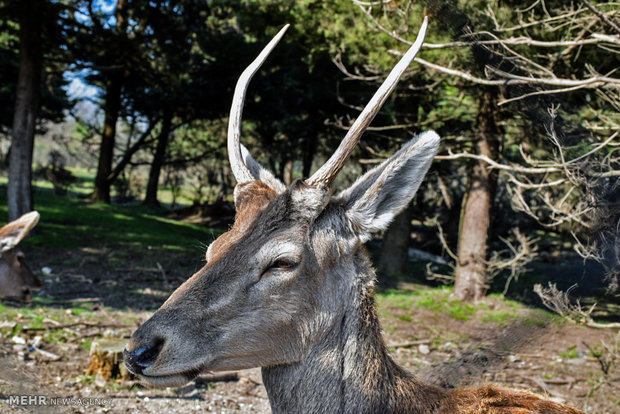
point(328, 172)
point(240, 170)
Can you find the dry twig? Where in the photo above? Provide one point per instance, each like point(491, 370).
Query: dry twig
point(560, 303)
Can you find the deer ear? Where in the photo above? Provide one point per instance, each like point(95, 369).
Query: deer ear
point(261, 173)
point(15, 231)
point(375, 198)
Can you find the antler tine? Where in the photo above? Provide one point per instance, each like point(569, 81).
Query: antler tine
point(240, 170)
point(328, 172)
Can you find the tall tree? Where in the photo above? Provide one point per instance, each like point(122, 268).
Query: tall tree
point(553, 153)
point(19, 189)
point(112, 106)
point(471, 273)
point(158, 160)
point(189, 65)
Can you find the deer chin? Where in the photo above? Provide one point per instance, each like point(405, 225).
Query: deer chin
point(172, 380)
point(182, 377)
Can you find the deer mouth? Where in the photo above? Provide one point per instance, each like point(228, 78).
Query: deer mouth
point(170, 380)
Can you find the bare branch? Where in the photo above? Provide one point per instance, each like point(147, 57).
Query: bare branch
point(432, 275)
point(544, 92)
point(444, 243)
point(538, 22)
point(371, 3)
point(497, 165)
point(596, 38)
point(573, 84)
point(560, 303)
point(337, 60)
point(530, 186)
point(554, 166)
point(518, 257)
point(601, 16)
point(594, 81)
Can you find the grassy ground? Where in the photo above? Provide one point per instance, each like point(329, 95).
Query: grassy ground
point(109, 267)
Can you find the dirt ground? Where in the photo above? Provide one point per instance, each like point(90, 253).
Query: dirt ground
point(99, 292)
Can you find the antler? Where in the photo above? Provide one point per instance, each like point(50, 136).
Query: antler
point(239, 168)
point(328, 172)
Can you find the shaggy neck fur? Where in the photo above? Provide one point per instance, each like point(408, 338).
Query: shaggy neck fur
point(349, 370)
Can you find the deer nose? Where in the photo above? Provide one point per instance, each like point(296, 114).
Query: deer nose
point(139, 359)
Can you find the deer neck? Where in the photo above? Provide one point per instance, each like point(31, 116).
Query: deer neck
point(349, 370)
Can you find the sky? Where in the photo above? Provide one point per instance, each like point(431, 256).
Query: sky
point(106, 6)
point(77, 88)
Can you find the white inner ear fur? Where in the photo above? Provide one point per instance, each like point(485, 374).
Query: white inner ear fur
point(12, 233)
point(383, 192)
point(10, 240)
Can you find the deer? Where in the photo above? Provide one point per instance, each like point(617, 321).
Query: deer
point(16, 278)
point(290, 288)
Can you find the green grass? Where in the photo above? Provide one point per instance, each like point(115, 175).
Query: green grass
point(461, 311)
point(499, 317)
point(38, 315)
point(83, 186)
point(79, 311)
point(570, 353)
point(71, 223)
point(496, 310)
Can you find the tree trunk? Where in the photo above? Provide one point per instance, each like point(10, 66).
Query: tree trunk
point(471, 277)
point(19, 189)
point(288, 173)
point(395, 248)
point(158, 161)
point(126, 159)
point(309, 148)
point(101, 192)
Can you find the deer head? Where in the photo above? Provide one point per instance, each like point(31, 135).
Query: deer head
point(16, 279)
point(291, 267)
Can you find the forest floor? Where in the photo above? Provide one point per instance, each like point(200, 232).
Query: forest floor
point(444, 342)
point(105, 270)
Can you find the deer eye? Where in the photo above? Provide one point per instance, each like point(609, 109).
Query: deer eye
point(284, 263)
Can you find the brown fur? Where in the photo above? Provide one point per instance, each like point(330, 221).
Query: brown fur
point(250, 200)
point(490, 399)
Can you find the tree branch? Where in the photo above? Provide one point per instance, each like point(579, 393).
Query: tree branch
point(526, 41)
point(601, 16)
point(131, 151)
